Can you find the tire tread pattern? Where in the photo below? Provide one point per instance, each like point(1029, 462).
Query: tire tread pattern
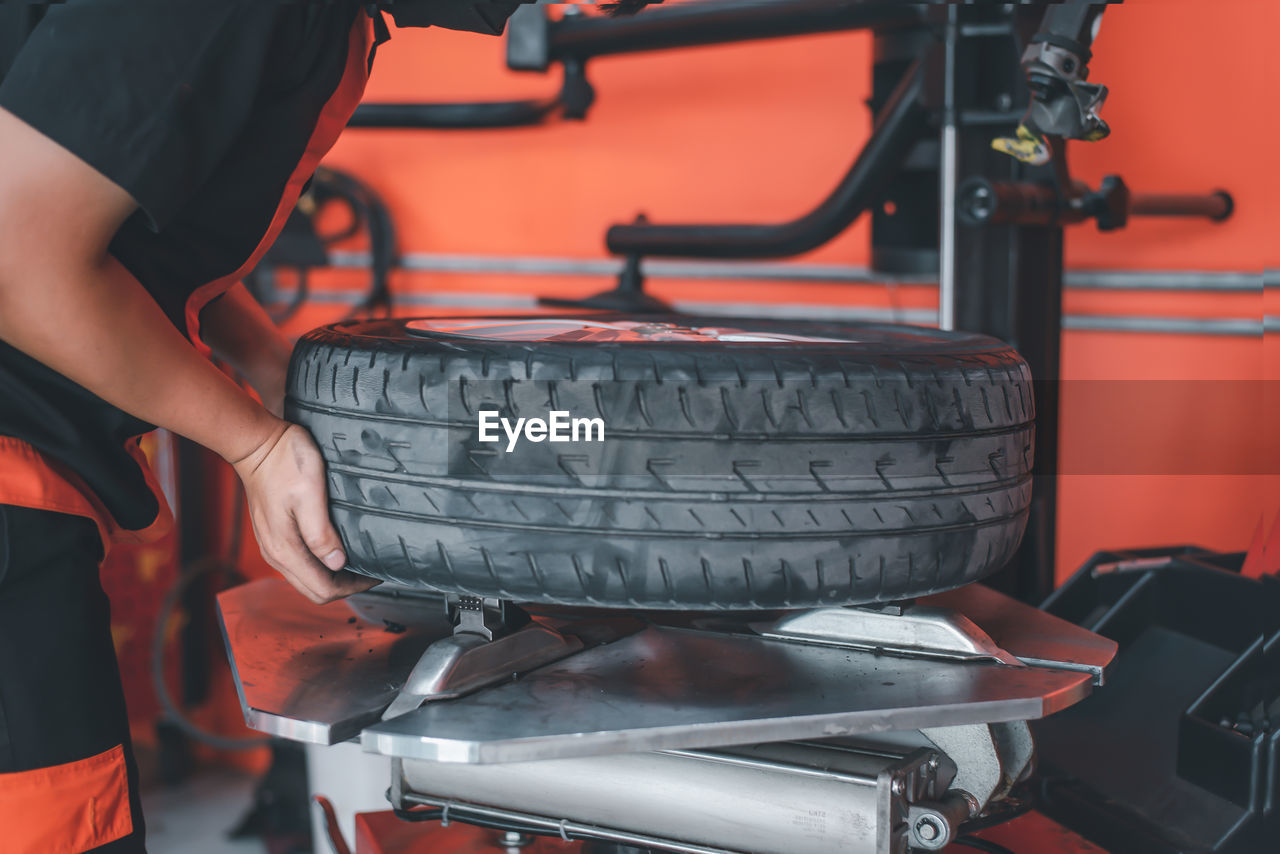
point(751, 477)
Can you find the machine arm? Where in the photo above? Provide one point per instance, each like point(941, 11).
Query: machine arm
point(903, 120)
point(1063, 104)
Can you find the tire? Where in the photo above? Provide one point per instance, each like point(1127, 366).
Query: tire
point(888, 463)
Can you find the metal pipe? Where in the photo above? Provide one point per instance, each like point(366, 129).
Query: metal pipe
point(1166, 280)
point(904, 119)
point(693, 24)
point(948, 177)
point(1216, 206)
point(1229, 326)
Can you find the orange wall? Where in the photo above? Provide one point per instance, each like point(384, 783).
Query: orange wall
point(761, 132)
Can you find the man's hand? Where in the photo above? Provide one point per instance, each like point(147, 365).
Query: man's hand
point(284, 481)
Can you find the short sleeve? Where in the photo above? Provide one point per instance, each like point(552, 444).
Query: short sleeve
point(150, 93)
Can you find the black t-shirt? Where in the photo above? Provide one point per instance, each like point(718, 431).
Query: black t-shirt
point(201, 110)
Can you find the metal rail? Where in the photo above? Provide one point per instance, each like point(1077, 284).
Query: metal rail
point(1145, 280)
point(1174, 280)
point(1224, 326)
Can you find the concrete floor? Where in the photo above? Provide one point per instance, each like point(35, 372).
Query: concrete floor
point(194, 818)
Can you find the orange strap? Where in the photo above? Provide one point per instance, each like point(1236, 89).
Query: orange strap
point(66, 809)
point(333, 118)
point(29, 478)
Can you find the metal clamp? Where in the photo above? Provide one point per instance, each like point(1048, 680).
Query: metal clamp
point(472, 658)
point(918, 630)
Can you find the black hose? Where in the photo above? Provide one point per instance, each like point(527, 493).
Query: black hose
point(693, 24)
point(495, 114)
point(902, 122)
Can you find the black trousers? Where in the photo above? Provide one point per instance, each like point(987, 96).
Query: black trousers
point(60, 694)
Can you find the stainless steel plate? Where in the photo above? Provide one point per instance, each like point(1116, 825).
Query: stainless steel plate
point(326, 673)
point(318, 673)
point(674, 688)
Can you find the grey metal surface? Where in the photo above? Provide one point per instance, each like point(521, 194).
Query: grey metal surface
point(671, 688)
point(318, 673)
point(1034, 637)
point(919, 630)
point(767, 799)
point(465, 662)
point(321, 673)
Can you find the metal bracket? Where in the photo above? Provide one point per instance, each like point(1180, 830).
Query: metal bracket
point(990, 759)
point(467, 661)
point(483, 650)
point(492, 642)
point(486, 618)
point(918, 630)
point(1063, 103)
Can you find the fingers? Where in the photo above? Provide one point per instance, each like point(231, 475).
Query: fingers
point(283, 548)
point(316, 581)
point(311, 516)
point(276, 552)
point(287, 495)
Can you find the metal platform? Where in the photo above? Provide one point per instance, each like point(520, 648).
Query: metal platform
point(310, 673)
point(319, 673)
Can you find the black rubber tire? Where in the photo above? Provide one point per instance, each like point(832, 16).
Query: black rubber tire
point(732, 476)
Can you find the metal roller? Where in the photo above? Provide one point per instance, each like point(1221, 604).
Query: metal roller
point(789, 798)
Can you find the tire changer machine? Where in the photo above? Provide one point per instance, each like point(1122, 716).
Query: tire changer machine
point(879, 729)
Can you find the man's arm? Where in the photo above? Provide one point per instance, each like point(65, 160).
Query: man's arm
point(67, 303)
point(243, 335)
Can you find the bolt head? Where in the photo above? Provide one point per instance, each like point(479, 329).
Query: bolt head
point(927, 829)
